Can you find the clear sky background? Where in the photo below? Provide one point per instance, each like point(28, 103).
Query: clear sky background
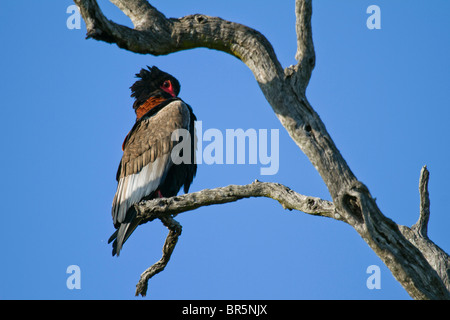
point(66, 107)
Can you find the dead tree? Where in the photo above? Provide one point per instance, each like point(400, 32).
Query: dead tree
point(421, 267)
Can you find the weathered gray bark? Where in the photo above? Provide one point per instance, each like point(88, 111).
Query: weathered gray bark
point(416, 262)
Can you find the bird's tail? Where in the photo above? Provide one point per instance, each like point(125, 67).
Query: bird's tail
point(125, 229)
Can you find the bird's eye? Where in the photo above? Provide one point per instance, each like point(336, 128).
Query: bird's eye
point(166, 84)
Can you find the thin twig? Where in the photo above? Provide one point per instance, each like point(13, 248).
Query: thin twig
point(169, 245)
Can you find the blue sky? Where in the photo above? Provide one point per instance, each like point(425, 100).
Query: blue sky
point(66, 107)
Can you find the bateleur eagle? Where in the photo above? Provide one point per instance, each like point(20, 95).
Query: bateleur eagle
point(147, 170)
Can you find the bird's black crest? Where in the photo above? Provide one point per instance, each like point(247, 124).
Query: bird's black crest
point(150, 85)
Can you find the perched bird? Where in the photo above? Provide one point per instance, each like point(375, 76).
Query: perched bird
point(147, 169)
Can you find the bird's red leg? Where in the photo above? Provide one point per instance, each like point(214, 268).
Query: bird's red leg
point(159, 194)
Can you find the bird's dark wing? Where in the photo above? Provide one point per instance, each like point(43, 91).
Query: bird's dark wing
point(144, 165)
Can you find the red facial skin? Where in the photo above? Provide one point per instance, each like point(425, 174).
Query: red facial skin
point(167, 87)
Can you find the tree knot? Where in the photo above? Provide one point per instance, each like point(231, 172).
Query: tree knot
point(351, 200)
point(200, 18)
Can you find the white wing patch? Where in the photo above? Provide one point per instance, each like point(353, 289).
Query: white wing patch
point(131, 189)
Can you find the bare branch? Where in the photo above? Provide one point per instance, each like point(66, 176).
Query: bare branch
point(306, 57)
point(157, 35)
point(169, 245)
point(437, 258)
point(305, 47)
point(421, 226)
point(100, 28)
point(166, 207)
point(141, 13)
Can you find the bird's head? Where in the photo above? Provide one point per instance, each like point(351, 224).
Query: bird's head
point(153, 83)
